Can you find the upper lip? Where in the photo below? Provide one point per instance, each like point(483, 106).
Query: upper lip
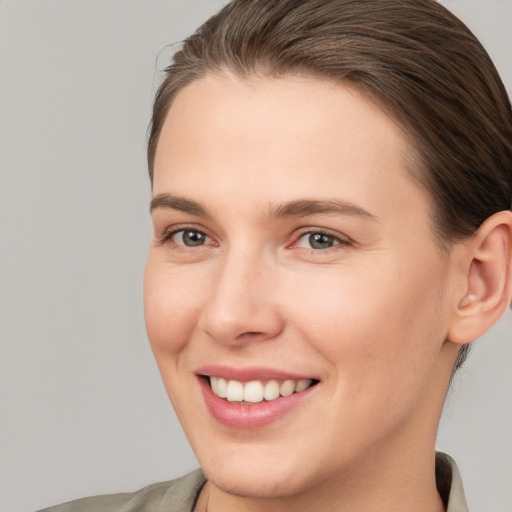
point(249, 374)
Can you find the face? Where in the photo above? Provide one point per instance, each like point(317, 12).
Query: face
point(293, 267)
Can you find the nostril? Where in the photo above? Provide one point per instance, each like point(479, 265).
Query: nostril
point(252, 336)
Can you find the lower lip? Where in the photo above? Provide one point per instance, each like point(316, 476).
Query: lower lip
point(249, 416)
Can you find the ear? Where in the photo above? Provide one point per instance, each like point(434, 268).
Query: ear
point(487, 289)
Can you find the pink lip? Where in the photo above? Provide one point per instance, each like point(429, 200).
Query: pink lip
point(248, 374)
point(241, 416)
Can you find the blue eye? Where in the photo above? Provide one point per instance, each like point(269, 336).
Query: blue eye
point(189, 237)
point(318, 240)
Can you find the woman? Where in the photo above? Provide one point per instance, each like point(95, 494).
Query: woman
point(332, 185)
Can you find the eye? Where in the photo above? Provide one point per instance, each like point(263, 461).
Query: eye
point(318, 240)
point(188, 237)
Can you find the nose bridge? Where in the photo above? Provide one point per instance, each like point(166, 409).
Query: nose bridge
point(241, 305)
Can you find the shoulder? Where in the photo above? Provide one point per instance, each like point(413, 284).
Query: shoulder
point(174, 495)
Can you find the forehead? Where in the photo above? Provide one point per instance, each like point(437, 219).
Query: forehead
point(279, 139)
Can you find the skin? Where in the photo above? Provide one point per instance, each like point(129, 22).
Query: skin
point(368, 317)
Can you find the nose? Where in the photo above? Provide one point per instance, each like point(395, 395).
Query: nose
point(241, 307)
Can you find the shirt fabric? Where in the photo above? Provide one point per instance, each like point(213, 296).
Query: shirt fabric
point(180, 495)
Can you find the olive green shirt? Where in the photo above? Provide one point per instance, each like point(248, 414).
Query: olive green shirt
point(180, 495)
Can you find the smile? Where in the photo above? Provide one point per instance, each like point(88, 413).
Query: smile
point(252, 397)
point(256, 391)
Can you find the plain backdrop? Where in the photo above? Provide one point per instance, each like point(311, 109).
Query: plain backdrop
point(82, 409)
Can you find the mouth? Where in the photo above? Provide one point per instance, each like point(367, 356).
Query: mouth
point(252, 398)
point(256, 391)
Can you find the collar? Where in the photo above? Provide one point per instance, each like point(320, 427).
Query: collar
point(449, 484)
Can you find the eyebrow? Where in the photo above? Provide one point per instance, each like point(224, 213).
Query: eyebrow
point(177, 203)
point(297, 208)
point(305, 207)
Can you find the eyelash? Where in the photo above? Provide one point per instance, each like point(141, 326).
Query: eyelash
point(337, 240)
point(169, 234)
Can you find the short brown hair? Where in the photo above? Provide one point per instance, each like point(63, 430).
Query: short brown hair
point(413, 57)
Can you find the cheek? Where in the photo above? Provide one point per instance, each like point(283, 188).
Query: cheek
point(171, 308)
point(373, 326)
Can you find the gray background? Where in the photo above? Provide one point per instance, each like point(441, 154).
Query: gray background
point(82, 409)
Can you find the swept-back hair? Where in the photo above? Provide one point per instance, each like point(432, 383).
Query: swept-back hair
point(414, 58)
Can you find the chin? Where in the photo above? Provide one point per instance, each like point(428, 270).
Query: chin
point(248, 483)
point(263, 472)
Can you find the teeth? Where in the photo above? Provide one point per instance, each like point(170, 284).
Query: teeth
point(235, 391)
point(219, 386)
point(287, 388)
point(271, 390)
point(255, 391)
point(302, 385)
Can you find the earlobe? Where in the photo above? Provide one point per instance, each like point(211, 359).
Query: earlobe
point(488, 278)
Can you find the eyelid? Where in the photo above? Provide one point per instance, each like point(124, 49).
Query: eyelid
point(339, 237)
point(341, 243)
point(171, 231)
